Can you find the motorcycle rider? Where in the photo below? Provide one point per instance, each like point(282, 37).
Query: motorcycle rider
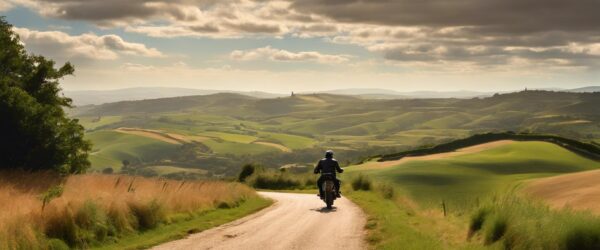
point(330, 166)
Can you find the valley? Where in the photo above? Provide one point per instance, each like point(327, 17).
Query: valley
point(218, 133)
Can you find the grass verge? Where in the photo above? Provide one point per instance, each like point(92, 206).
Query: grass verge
point(44, 210)
point(388, 225)
point(512, 222)
point(187, 225)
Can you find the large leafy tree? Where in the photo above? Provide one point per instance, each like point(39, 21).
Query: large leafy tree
point(35, 132)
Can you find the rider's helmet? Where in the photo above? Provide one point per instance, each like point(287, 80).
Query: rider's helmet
point(329, 154)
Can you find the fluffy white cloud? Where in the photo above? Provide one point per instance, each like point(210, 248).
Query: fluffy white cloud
point(471, 32)
point(284, 55)
point(58, 44)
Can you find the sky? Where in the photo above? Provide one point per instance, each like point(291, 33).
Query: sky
point(313, 45)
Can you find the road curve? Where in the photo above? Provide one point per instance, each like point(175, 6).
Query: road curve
point(295, 221)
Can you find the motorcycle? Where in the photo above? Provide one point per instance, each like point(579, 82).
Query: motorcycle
point(329, 190)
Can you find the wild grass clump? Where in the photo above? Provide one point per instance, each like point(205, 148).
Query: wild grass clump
point(92, 209)
point(516, 223)
point(282, 180)
point(361, 182)
point(276, 181)
point(386, 190)
point(476, 222)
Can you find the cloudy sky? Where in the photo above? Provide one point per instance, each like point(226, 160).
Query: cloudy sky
point(305, 45)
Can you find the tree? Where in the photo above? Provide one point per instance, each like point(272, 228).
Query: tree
point(125, 163)
point(247, 170)
point(36, 133)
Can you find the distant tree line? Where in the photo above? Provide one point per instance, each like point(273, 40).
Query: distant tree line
point(583, 148)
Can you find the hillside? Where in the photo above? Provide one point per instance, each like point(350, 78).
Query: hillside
point(477, 197)
point(222, 131)
point(576, 191)
point(95, 97)
point(462, 179)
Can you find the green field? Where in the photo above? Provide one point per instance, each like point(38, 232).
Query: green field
point(91, 123)
point(464, 179)
point(228, 129)
point(111, 148)
point(405, 202)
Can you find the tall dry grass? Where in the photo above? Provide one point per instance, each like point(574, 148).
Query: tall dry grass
point(99, 208)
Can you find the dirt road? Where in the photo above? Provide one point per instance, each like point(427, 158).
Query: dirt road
point(295, 221)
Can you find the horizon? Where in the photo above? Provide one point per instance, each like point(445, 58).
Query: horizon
point(284, 46)
point(331, 90)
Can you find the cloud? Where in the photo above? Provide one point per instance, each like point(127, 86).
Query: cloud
point(503, 16)
point(474, 32)
point(5, 5)
point(137, 67)
point(284, 55)
point(248, 27)
point(61, 45)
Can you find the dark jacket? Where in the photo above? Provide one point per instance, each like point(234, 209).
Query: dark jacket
point(328, 165)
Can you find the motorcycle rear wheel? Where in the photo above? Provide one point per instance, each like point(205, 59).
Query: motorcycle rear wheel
point(329, 199)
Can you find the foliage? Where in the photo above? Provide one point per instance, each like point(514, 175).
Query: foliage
point(361, 182)
point(587, 149)
point(53, 192)
point(36, 133)
point(108, 171)
point(281, 180)
point(247, 170)
point(386, 190)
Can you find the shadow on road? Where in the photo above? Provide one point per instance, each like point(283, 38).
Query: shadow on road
point(325, 210)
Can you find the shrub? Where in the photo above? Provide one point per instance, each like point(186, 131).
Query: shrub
point(108, 171)
point(91, 222)
point(279, 181)
point(386, 190)
point(57, 244)
point(247, 170)
point(477, 220)
point(148, 215)
point(361, 182)
point(271, 179)
point(497, 229)
point(60, 224)
point(583, 237)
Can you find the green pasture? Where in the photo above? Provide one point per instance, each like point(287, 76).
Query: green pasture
point(90, 123)
point(164, 170)
point(236, 148)
point(463, 180)
point(111, 148)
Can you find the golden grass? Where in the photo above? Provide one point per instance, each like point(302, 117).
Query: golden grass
point(95, 208)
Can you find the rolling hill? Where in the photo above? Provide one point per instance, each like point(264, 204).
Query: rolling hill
point(479, 196)
point(575, 191)
point(464, 177)
point(222, 131)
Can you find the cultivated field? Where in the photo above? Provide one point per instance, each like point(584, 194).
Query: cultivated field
point(579, 191)
point(219, 133)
